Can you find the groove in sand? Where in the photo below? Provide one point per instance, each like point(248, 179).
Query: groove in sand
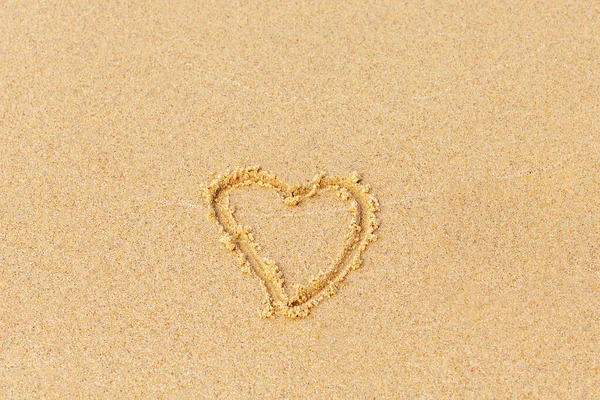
point(239, 239)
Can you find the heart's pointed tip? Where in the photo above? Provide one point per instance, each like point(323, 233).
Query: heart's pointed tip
point(302, 294)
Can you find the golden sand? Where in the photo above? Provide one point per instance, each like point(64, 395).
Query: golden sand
point(477, 124)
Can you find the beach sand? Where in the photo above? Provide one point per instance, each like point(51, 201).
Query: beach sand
point(475, 124)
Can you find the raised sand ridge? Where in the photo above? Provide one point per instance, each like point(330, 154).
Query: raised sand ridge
point(361, 203)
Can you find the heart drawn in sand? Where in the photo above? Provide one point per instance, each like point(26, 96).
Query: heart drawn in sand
point(362, 205)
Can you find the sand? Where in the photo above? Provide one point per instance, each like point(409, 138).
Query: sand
point(474, 129)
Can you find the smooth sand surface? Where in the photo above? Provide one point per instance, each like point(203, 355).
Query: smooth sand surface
point(476, 124)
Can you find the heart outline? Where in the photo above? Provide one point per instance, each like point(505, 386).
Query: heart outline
point(238, 239)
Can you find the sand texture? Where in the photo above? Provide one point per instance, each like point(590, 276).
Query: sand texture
point(463, 136)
